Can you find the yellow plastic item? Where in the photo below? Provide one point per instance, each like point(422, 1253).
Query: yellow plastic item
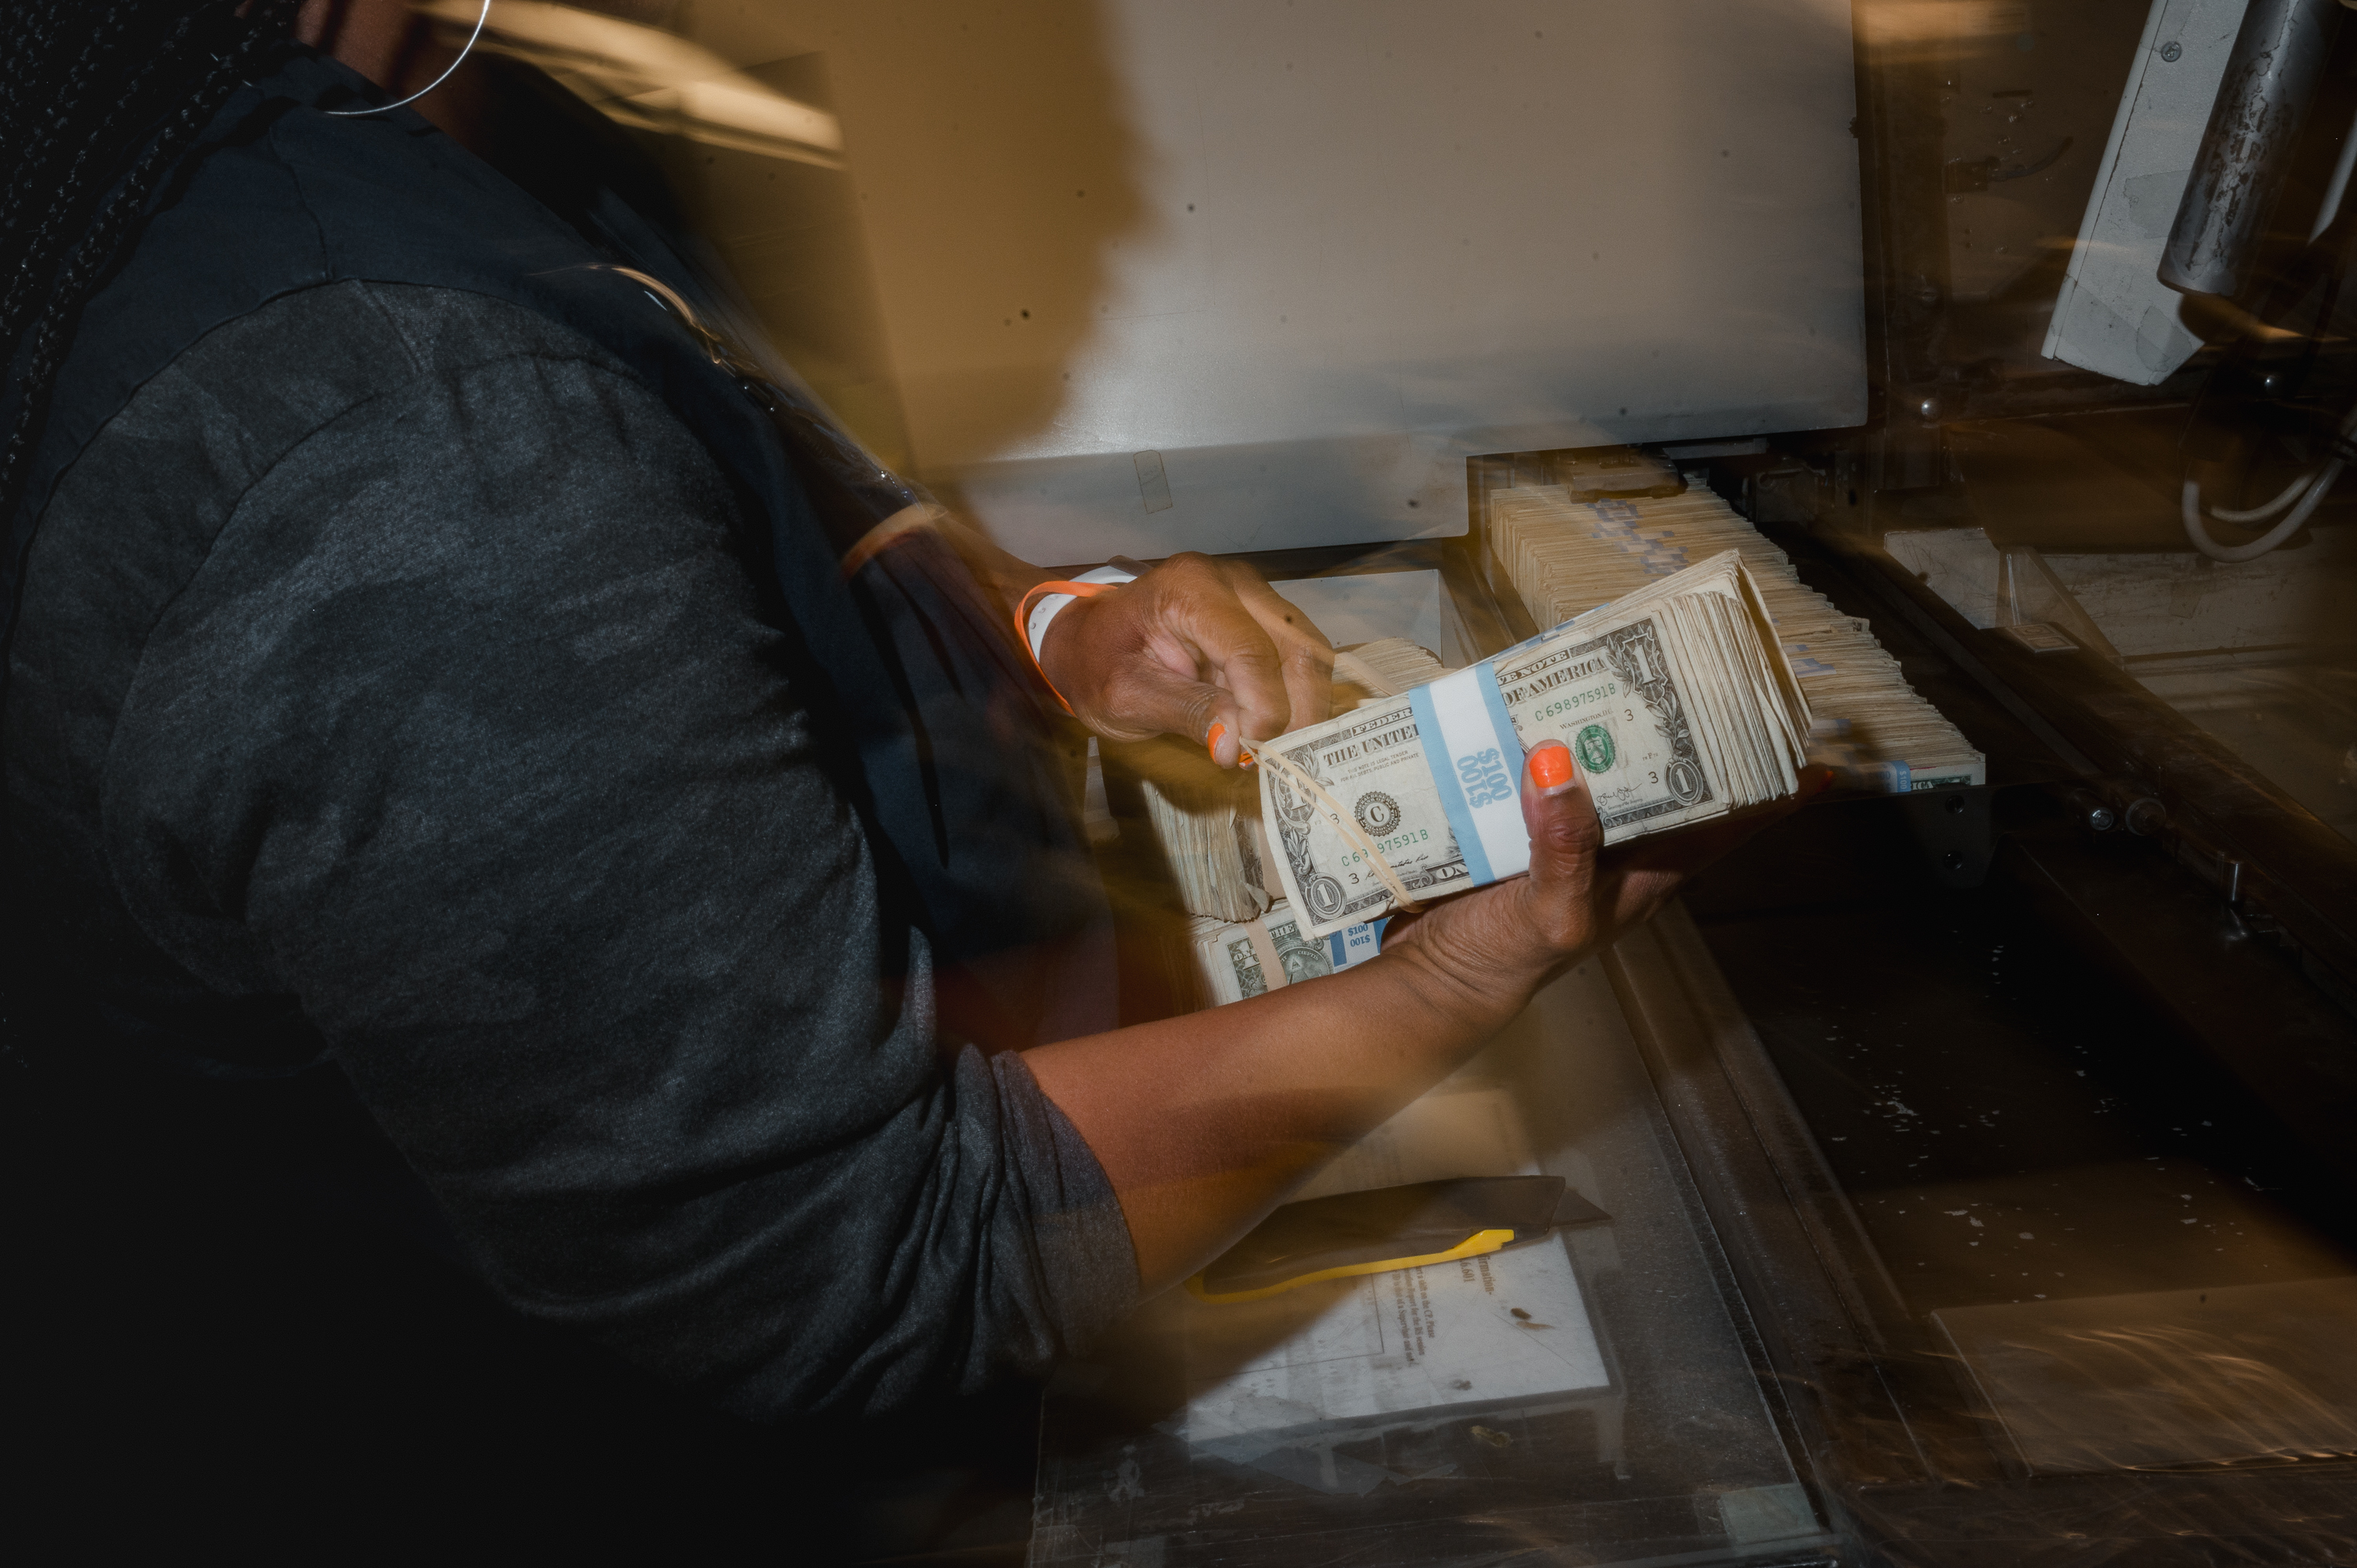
point(1473, 1246)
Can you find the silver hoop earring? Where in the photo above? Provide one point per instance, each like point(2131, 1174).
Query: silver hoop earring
point(485, 17)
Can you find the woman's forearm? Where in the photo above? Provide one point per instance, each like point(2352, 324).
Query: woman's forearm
point(1203, 1122)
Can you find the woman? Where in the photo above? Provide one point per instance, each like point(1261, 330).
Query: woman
point(449, 658)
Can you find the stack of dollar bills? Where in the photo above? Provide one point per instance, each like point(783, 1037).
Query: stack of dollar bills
point(1563, 557)
point(1675, 701)
point(1233, 960)
point(1207, 821)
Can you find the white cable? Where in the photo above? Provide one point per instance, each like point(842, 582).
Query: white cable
point(347, 114)
point(2261, 513)
point(2266, 542)
point(2318, 487)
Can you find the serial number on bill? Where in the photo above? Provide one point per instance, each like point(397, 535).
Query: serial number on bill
point(1384, 846)
point(1578, 699)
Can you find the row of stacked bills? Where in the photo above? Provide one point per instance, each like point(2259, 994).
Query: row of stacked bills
point(1675, 702)
point(1564, 557)
point(1236, 959)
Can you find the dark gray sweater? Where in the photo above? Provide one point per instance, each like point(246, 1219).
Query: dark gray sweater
point(389, 679)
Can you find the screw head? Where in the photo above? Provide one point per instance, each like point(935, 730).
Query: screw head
point(2172, 51)
point(1955, 805)
point(1953, 860)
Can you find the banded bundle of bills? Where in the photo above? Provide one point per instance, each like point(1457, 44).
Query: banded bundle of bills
point(1241, 959)
point(1675, 701)
point(1208, 822)
point(1564, 557)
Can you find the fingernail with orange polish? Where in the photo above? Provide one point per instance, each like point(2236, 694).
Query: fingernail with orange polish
point(1551, 768)
point(1218, 734)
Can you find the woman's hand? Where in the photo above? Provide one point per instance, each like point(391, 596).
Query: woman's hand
point(1504, 941)
point(1194, 646)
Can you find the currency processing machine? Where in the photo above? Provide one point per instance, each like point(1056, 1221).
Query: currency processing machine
point(1963, 1172)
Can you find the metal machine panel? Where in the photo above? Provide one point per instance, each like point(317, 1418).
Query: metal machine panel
point(2115, 317)
point(1231, 275)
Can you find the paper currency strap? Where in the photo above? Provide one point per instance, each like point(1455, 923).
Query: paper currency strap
point(1476, 760)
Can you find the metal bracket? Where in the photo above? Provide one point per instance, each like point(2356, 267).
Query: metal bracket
point(1953, 828)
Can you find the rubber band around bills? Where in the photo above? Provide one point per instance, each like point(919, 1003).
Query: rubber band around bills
point(1342, 819)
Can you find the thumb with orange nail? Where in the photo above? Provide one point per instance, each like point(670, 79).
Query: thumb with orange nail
point(1551, 768)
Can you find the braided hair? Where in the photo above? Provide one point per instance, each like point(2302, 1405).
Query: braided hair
point(98, 102)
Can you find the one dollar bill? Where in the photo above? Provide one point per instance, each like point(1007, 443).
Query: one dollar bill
point(1240, 959)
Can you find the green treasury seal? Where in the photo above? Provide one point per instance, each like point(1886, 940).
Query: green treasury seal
point(1593, 746)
